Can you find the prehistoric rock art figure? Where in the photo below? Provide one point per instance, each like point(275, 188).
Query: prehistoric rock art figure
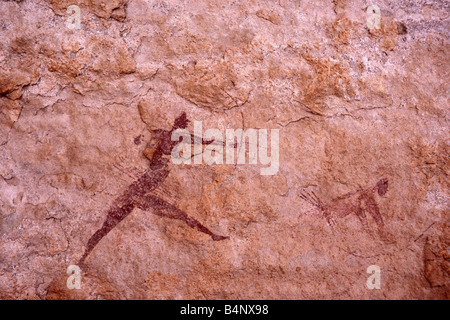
point(358, 203)
point(137, 194)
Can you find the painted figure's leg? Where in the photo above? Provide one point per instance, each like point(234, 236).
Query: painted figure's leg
point(164, 209)
point(362, 217)
point(312, 198)
point(326, 212)
point(115, 215)
point(373, 209)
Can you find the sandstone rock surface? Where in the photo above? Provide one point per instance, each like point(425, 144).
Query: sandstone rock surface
point(363, 119)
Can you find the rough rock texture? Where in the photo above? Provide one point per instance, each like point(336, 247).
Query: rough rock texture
point(353, 105)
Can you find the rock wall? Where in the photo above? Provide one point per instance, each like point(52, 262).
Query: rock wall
point(363, 120)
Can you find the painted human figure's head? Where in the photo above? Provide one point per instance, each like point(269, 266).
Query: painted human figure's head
point(161, 143)
point(181, 122)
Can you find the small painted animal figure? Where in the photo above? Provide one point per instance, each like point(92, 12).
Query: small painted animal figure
point(358, 203)
point(137, 194)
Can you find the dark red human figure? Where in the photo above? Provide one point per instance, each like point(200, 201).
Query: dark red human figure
point(137, 194)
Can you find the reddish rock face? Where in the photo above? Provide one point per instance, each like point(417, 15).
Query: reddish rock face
point(87, 114)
